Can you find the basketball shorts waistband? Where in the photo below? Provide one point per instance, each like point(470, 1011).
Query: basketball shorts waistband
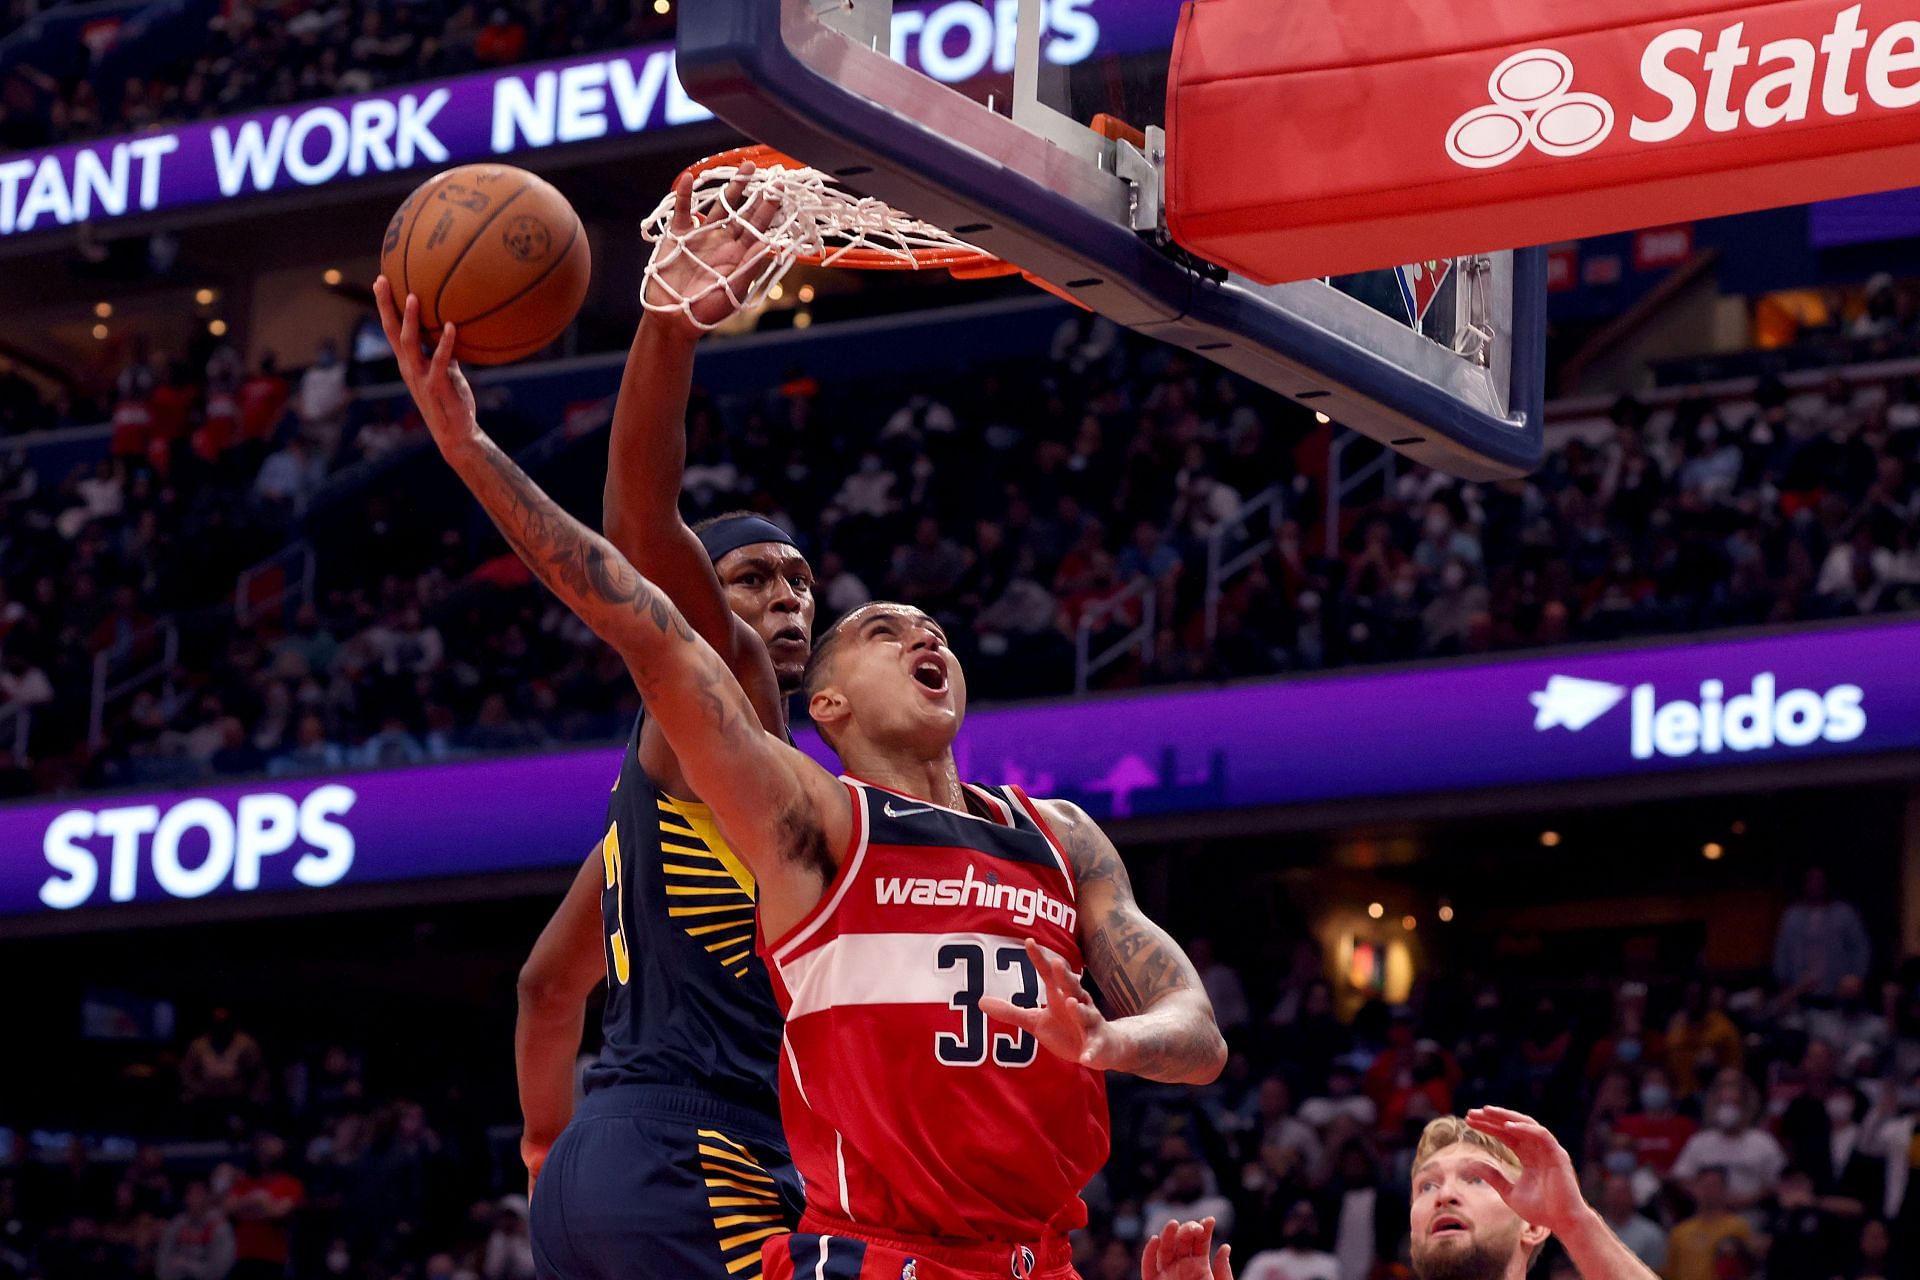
point(679, 1102)
point(991, 1257)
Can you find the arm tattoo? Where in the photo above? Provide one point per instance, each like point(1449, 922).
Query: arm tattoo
point(593, 579)
point(597, 583)
point(1131, 959)
point(1146, 980)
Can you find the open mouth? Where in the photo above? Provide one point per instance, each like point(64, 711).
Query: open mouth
point(930, 671)
point(790, 635)
point(1447, 1225)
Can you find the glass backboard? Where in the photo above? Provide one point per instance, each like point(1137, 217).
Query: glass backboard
point(978, 117)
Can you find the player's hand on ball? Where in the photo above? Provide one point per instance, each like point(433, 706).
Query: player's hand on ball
point(1069, 1025)
point(729, 249)
point(1184, 1251)
point(1547, 1192)
point(438, 387)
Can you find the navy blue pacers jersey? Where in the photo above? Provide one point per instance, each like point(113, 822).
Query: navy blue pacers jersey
point(688, 999)
point(674, 1167)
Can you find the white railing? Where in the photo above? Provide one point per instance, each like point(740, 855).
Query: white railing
point(107, 690)
point(1085, 661)
point(1340, 484)
point(296, 564)
point(1221, 566)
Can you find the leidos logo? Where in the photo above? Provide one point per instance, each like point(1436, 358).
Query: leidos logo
point(1533, 105)
point(1757, 720)
point(1781, 82)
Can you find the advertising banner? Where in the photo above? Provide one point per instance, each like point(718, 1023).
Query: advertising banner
point(1540, 720)
point(433, 124)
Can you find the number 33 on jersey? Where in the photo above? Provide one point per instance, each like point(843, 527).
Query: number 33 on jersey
point(904, 1104)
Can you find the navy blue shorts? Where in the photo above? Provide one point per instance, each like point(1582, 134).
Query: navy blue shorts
point(651, 1182)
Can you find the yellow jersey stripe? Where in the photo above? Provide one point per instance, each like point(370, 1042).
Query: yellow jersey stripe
point(704, 890)
point(737, 956)
point(735, 1172)
point(724, 943)
point(744, 1261)
point(741, 1187)
point(711, 911)
point(741, 1202)
point(670, 869)
point(724, 1141)
point(743, 1219)
point(688, 850)
point(722, 1153)
point(748, 1237)
point(700, 930)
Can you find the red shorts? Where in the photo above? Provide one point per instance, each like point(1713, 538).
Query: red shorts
point(825, 1250)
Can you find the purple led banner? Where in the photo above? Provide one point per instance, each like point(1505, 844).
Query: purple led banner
point(436, 123)
point(1889, 215)
point(1560, 718)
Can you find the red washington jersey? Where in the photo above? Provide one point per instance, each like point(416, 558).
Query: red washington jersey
point(908, 1112)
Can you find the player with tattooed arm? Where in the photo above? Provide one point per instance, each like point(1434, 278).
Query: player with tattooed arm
point(942, 1081)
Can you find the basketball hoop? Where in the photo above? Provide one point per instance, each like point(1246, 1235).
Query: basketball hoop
point(816, 224)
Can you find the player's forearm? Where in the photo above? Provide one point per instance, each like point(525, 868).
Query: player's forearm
point(575, 563)
point(546, 1038)
point(647, 452)
point(708, 719)
point(1176, 1041)
point(1599, 1254)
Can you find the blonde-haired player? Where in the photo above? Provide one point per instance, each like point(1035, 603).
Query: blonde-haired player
point(1487, 1192)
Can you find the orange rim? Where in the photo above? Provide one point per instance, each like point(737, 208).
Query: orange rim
point(965, 264)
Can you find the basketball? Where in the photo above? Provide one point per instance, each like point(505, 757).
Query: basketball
point(494, 250)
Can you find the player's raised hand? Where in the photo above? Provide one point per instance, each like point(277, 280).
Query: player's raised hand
point(1184, 1251)
point(730, 249)
point(439, 389)
point(1547, 1192)
point(1068, 1025)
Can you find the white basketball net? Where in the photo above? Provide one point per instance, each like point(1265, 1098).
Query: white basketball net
point(816, 221)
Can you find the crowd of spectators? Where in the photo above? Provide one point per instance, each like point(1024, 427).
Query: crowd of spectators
point(252, 1168)
point(243, 56)
point(1731, 1127)
point(1079, 486)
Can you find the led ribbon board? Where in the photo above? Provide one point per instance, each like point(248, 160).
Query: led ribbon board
point(1569, 716)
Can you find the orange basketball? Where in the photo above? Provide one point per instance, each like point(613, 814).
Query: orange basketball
point(494, 250)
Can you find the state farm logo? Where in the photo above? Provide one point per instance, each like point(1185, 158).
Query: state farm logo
point(1694, 78)
point(1534, 105)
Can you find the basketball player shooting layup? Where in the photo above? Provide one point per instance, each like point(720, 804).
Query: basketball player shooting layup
point(1487, 1192)
point(675, 1166)
point(941, 1084)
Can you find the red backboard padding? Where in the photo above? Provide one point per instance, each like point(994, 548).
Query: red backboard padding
point(1317, 137)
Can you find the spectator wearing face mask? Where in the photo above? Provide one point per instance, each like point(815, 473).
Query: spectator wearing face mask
point(1749, 1160)
point(1631, 1041)
point(1657, 1131)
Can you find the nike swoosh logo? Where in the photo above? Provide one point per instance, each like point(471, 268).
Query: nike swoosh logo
point(892, 812)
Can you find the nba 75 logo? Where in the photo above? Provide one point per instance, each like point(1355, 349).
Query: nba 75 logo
point(527, 238)
point(1695, 75)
